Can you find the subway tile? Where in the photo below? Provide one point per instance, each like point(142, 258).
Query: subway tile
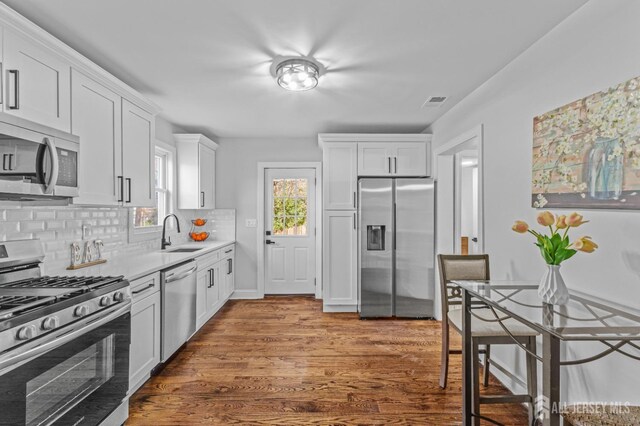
point(54, 224)
point(65, 214)
point(31, 226)
point(19, 214)
point(44, 214)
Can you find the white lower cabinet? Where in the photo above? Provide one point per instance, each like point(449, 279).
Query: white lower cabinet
point(228, 272)
point(203, 282)
point(213, 291)
point(340, 261)
point(145, 330)
point(215, 283)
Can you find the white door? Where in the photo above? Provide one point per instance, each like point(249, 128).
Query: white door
point(96, 119)
point(290, 217)
point(138, 127)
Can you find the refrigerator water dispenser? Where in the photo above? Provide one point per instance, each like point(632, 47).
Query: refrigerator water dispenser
point(375, 237)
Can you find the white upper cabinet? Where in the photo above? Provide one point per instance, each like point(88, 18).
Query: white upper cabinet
point(410, 159)
point(340, 174)
point(96, 119)
point(206, 164)
point(393, 159)
point(196, 171)
point(37, 83)
point(375, 159)
point(138, 142)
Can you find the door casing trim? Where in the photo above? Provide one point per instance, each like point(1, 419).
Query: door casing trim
point(260, 226)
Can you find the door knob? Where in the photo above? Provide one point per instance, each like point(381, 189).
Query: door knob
point(270, 242)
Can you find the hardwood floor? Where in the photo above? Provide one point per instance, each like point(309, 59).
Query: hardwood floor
point(282, 361)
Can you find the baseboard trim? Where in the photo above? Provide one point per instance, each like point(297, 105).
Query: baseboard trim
point(340, 308)
point(246, 294)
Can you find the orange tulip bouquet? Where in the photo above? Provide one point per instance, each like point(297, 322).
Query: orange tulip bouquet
point(555, 249)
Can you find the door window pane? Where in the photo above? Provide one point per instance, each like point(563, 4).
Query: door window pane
point(290, 207)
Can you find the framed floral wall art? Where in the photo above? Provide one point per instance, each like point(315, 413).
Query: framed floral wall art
point(587, 154)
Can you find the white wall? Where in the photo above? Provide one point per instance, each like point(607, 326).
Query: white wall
point(596, 47)
point(236, 187)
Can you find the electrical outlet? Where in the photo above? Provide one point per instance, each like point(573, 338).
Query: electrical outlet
point(251, 223)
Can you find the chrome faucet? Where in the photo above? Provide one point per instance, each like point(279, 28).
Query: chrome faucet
point(167, 241)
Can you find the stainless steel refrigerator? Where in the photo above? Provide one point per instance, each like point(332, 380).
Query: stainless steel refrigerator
point(396, 239)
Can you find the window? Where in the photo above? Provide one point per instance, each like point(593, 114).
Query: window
point(290, 207)
point(146, 223)
point(148, 217)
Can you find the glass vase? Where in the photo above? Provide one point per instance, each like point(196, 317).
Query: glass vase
point(552, 288)
point(606, 169)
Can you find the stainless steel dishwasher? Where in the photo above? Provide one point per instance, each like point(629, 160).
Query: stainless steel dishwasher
point(178, 306)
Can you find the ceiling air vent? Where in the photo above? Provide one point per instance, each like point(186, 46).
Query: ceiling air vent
point(434, 101)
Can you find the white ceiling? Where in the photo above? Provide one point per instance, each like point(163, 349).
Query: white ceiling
point(206, 63)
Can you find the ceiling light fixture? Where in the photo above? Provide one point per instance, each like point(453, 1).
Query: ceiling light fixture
point(297, 74)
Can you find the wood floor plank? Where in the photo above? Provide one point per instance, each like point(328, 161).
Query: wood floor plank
point(281, 361)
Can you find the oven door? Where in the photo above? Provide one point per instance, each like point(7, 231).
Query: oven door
point(32, 163)
point(78, 378)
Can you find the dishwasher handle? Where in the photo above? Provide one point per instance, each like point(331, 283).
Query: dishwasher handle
point(172, 277)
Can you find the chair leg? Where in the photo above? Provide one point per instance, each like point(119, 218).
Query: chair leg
point(444, 359)
point(485, 372)
point(475, 369)
point(532, 377)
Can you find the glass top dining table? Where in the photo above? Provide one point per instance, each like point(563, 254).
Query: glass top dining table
point(583, 318)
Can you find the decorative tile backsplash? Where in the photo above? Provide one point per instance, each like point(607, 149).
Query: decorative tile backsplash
point(57, 227)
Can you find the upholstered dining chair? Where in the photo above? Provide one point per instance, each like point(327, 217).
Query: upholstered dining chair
point(483, 333)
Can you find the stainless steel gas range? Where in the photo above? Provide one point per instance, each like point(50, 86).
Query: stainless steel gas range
point(64, 343)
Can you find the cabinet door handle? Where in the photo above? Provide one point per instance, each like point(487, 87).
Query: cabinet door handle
point(354, 221)
point(121, 184)
point(354, 199)
point(389, 158)
point(202, 199)
point(4, 162)
point(16, 89)
point(395, 164)
point(129, 189)
point(229, 266)
point(152, 285)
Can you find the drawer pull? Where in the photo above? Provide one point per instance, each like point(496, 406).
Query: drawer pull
point(153, 284)
point(229, 251)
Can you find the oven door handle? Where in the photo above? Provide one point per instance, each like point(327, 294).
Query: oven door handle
point(53, 155)
point(55, 340)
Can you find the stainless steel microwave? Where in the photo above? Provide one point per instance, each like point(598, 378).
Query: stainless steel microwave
point(37, 162)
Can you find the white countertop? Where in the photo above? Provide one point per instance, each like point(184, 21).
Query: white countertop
point(135, 266)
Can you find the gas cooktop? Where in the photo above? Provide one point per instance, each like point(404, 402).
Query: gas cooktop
point(20, 297)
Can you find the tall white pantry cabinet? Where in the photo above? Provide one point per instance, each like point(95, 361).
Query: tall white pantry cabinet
point(345, 158)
